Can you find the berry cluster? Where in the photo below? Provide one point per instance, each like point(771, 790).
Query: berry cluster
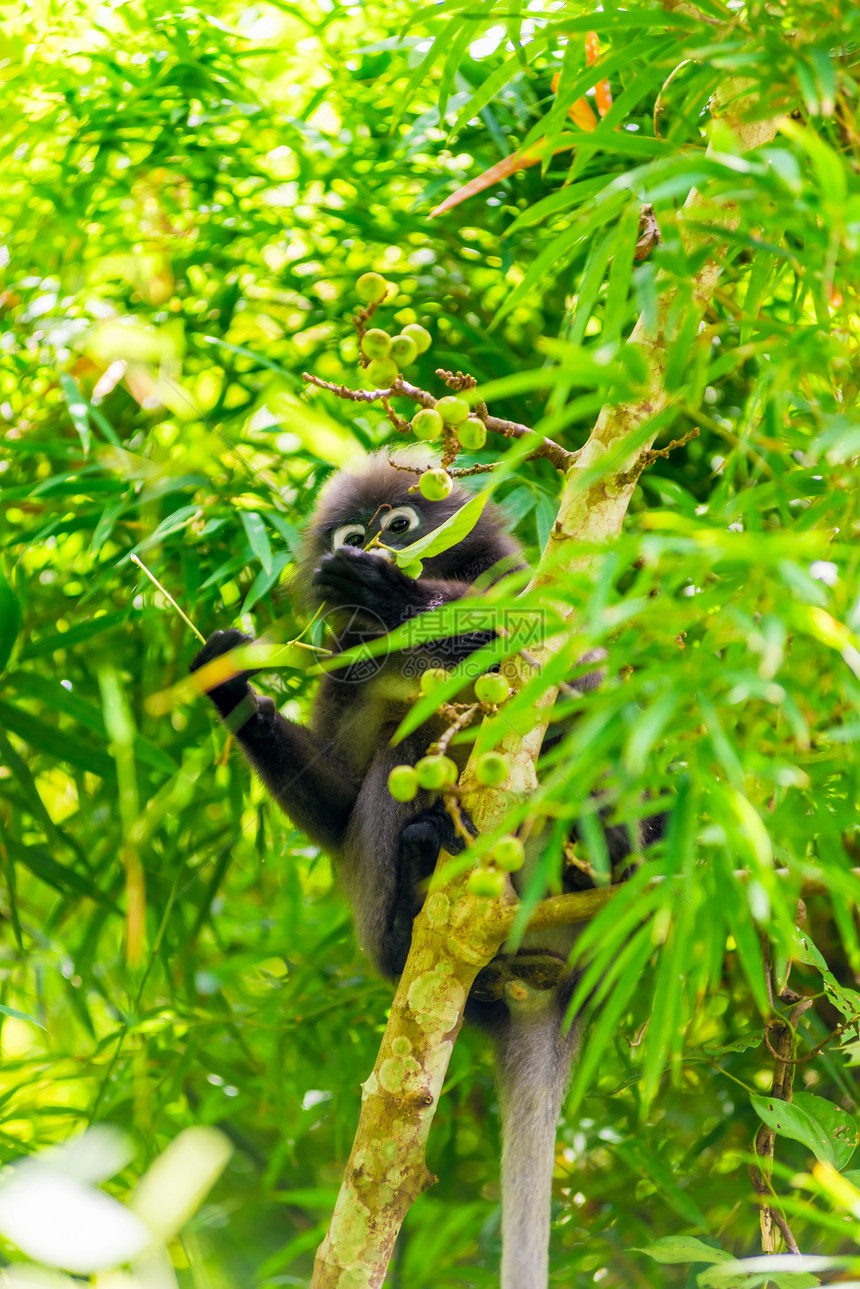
point(385, 356)
point(437, 772)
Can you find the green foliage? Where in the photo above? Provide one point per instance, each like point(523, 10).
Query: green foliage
point(188, 199)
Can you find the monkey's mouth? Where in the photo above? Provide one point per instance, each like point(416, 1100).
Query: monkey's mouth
point(541, 971)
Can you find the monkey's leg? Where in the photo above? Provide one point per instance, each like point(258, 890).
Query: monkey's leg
point(389, 851)
point(296, 767)
point(533, 1060)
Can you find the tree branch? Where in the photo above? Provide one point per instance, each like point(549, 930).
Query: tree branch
point(457, 934)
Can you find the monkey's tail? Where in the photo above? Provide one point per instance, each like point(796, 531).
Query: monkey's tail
point(533, 1060)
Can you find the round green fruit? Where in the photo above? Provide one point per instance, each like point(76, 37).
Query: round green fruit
point(436, 772)
point(486, 882)
point(491, 688)
point(432, 678)
point(382, 373)
point(427, 424)
point(420, 335)
point(509, 854)
point(376, 343)
point(472, 434)
point(435, 485)
point(492, 769)
point(371, 288)
point(403, 783)
point(403, 350)
point(452, 410)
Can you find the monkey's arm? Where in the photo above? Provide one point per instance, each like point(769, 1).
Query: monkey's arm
point(297, 768)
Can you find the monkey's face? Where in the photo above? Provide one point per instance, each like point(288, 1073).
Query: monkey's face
point(386, 526)
point(369, 508)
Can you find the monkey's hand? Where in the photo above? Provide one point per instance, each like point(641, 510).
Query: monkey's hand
point(356, 579)
point(236, 690)
point(420, 843)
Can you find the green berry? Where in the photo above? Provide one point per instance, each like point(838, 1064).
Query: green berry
point(403, 783)
point(486, 882)
point(436, 772)
point(492, 769)
point(432, 678)
point(376, 343)
point(435, 485)
point(421, 336)
point(382, 373)
point(427, 424)
point(491, 688)
point(452, 410)
point(371, 288)
point(403, 350)
point(472, 434)
point(509, 853)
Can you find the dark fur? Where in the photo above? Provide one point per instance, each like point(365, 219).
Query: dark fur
point(331, 776)
point(331, 779)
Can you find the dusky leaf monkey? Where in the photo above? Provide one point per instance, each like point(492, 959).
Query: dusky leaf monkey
point(331, 775)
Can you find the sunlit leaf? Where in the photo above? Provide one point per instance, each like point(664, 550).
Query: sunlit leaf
point(822, 1126)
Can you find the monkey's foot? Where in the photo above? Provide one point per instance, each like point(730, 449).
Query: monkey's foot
point(540, 971)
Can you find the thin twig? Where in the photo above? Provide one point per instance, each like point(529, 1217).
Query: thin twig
point(185, 618)
point(560, 457)
point(353, 395)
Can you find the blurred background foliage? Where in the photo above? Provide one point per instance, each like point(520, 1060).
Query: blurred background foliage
point(188, 196)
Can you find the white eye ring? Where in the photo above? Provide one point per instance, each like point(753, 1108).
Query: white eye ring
point(342, 535)
point(402, 512)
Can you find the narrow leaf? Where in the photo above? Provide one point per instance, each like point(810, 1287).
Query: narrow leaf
point(10, 620)
point(78, 410)
point(258, 538)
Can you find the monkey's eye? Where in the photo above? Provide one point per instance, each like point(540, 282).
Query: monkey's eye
point(401, 520)
point(348, 535)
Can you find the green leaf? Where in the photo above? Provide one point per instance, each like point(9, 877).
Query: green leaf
point(53, 640)
point(830, 1132)
point(264, 581)
point(678, 1249)
point(54, 742)
point(78, 410)
point(179, 519)
point(446, 535)
point(57, 697)
point(641, 1160)
point(10, 620)
point(624, 978)
point(496, 81)
point(617, 307)
point(258, 538)
point(13, 1011)
point(61, 877)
